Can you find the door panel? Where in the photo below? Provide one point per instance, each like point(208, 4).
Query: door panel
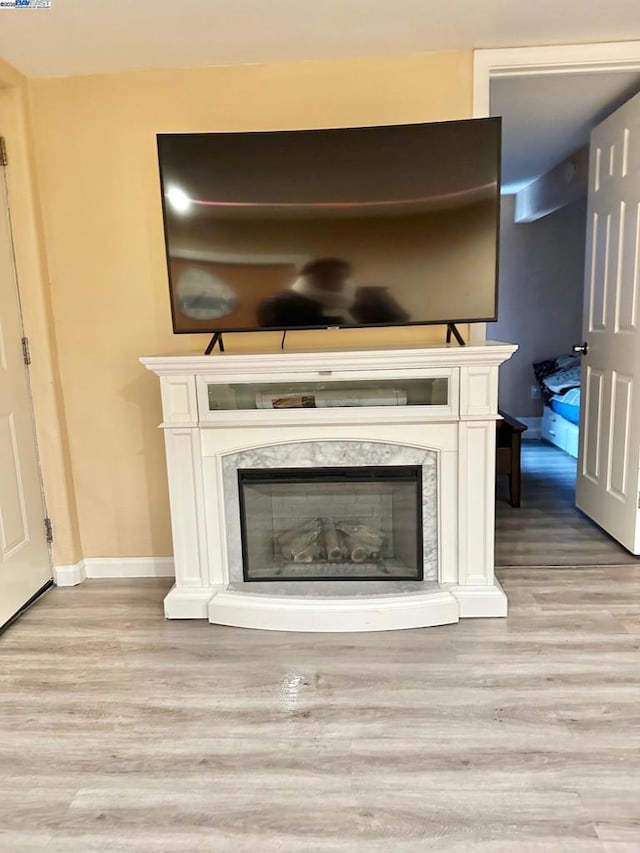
point(620, 422)
point(631, 155)
point(607, 487)
point(627, 295)
point(600, 276)
point(593, 429)
point(14, 528)
point(24, 555)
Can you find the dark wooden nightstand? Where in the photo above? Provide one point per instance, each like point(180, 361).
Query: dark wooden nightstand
point(508, 442)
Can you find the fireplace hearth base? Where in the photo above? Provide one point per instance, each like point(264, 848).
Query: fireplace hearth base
point(335, 610)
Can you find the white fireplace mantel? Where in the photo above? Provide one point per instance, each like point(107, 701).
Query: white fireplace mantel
point(208, 423)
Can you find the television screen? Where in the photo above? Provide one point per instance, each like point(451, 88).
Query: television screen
point(364, 226)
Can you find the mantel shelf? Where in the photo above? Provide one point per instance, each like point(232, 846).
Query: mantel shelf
point(287, 361)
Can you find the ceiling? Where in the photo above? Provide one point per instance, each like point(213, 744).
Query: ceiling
point(565, 110)
point(97, 36)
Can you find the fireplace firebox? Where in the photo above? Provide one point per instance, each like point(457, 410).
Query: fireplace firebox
point(351, 523)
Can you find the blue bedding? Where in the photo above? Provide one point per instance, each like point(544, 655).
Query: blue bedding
point(568, 406)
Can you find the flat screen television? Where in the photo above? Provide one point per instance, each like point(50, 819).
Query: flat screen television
point(362, 226)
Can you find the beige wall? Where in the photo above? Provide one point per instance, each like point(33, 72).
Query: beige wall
point(94, 141)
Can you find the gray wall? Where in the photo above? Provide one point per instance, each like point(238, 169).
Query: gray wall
point(540, 296)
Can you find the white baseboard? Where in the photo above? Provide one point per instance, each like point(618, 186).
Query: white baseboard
point(114, 567)
point(129, 567)
point(69, 575)
point(534, 428)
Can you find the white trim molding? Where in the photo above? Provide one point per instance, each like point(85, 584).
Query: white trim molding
point(69, 575)
point(556, 59)
point(114, 567)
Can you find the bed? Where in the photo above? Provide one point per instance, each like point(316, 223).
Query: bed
point(559, 380)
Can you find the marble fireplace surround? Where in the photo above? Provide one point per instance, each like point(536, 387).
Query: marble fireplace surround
point(452, 439)
point(336, 453)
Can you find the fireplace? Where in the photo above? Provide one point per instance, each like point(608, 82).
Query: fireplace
point(345, 518)
point(353, 523)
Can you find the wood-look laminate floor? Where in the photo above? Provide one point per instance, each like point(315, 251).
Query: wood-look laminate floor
point(547, 529)
point(120, 731)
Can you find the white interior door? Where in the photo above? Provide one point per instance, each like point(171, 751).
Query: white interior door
point(609, 458)
point(24, 554)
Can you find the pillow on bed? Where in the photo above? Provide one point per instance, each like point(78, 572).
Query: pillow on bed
point(564, 361)
point(557, 375)
point(562, 380)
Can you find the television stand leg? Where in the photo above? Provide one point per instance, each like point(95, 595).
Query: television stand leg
point(452, 330)
point(216, 339)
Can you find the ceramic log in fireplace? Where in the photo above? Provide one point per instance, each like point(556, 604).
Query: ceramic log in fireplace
point(350, 517)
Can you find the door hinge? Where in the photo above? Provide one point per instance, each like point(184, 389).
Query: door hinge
point(26, 351)
point(48, 529)
point(3, 152)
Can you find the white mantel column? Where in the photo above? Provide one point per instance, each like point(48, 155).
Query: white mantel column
point(477, 590)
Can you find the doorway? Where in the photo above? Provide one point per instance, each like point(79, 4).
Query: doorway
point(550, 98)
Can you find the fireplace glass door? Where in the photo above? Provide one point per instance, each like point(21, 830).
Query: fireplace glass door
point(360, 523)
